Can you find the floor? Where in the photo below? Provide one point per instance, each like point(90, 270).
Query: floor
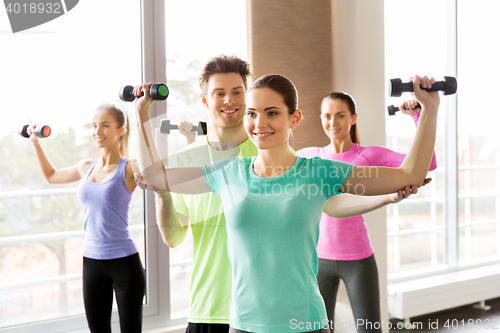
point(462, 319)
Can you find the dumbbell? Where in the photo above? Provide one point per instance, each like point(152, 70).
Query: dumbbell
point(166, 127)
point(40, 131)
point(158, 92)
point(392, 109)
point(448, 85)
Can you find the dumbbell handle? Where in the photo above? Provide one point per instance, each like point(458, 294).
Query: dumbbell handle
point(392, 109)
point(448, 86)
point(158, 91)
point(166, 126)
point(41, 131)
point(437, 86)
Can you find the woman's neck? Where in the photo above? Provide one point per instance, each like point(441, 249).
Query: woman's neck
point(110, 156)
point(274, 162)
point(341, 146)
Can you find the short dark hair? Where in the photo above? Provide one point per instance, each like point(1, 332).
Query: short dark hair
point(224, 64)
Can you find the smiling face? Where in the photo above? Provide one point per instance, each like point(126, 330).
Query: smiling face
point(106, 131)
point(225, 99)
point(267, 120)
point(336, 119)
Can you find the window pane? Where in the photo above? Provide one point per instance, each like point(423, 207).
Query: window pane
point(418, 251)
point(404, 58)
point(478, 242)
point(186, 53)
point(478, 138)
point(57, 74)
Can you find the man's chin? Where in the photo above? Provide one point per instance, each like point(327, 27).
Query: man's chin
point(231, 124)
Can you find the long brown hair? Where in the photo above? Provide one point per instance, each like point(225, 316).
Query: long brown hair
point(121, 118)
point(282, 86)
point(351, 104)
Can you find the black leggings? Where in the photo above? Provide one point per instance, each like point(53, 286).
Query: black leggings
point(207, 328)
point(124, 275)
point(361, 281)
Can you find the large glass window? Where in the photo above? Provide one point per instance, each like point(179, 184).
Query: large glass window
point(57, 74)
point(416, 227)
point(478, 135)
point(432, 231)
point(195, 31)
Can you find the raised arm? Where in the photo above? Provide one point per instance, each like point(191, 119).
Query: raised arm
point(412, 108)
point(183, 180)
point(173, 226)
point(185, 129)
point(49, 171)
point(381, 180)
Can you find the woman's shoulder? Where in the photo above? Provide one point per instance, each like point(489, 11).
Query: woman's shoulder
point(320, 161)
point(310, 152)
point(378, 155)
point(83, 164)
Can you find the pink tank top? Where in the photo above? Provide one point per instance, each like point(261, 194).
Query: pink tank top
point(347, 238)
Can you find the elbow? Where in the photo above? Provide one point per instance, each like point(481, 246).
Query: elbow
point(172, 243)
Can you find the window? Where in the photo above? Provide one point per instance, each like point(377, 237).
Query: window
point(57, 74)
point(478, 138)
point(449, 223)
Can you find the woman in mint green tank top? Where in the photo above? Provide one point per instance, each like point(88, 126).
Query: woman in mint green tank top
point(273, 205)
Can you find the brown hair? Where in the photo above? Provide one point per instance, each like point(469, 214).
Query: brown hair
point(121, 117)
point(351, 104)
point(282, 86)
point(223, 64)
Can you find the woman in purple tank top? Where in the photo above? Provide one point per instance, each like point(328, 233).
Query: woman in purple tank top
point(344, 248)
point(110, 258)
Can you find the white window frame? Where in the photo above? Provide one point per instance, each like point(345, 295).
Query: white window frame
point(451, 168)
point(156, 313)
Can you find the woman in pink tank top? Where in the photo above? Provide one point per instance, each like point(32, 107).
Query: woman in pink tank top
point(344, 248)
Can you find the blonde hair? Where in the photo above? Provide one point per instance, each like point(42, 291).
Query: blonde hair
point(121, 117)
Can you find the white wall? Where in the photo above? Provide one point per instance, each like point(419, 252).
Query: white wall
point(358, 65)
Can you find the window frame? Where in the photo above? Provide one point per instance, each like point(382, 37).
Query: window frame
point(156, 312)
point(451, 170)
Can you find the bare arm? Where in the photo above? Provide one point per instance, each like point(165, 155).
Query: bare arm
point(183, 180)
point(347, 205)
point(380, 180)
point(51, 174)
point(185, 129)
point(172, 225)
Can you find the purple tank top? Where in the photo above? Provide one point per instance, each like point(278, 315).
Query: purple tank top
point(105, 211)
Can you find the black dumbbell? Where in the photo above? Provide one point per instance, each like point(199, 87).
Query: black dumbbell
point(42, 131)
point(448, 85)
point(158, 92)
point(166, 127)
point(392, 109)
